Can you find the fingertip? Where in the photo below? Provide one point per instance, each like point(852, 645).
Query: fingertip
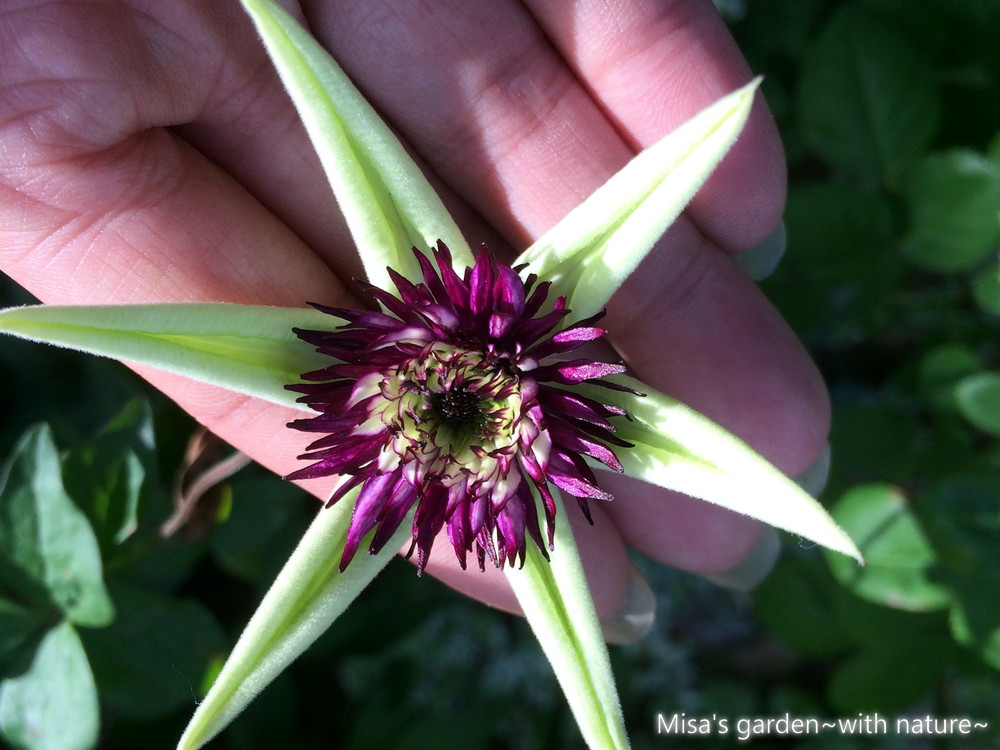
point(754, 568)
point(635, 614)
point(760, 261)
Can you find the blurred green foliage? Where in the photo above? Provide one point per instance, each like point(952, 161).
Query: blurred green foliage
point(109, 633)
point(891, 116)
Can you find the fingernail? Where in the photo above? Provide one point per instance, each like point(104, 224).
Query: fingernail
point(759, 262)
point(754, 568)
point(813, 480)
point(635, 615)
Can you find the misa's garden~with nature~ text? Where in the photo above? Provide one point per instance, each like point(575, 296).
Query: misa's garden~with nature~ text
point(459, 399)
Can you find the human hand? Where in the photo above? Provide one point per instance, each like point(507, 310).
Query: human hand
point(521, 116)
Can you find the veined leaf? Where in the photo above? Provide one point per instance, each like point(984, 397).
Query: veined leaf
point(53, 704)
point(601, 242)
point(901, 561)
point(46, 543)
point(679, 449)
point(248, 349)
point(557, 603)
point(307, 596)
point(388, 203)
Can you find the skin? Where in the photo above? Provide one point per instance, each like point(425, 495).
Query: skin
point(148, 153)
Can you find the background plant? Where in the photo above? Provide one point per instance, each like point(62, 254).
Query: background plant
point(889, 115)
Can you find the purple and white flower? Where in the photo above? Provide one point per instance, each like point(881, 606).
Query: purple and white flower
point(458, 399)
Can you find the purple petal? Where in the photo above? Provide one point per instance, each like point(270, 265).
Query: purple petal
point(508, 292)
point(431, 279)
point(371, 500)
point(428, 521)
point(550, 517)
point(574, 407)
point(577, 487)
point(576, 371)
point(578, 335)
point(537, 298)
point(531, 331)
point(459, 533)
point(571, 474)
point(442, 318)
point(480, 284)
point(401, 499)
point(456, 291)
point(511, 525)
point(499, 325)
point(572, 440)
point(406, 311)
point(409, 293)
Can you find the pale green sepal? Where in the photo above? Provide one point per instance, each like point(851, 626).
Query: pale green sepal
point(306, 597)
point(245, 348)
point(557, 603)
point(388, 203)
point(680, 449)
point(590, 253)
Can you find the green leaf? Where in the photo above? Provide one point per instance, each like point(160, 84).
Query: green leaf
point(867, 99)
point(557, 603)
point(837, 276)
point(889, 677)
point(45, 538)
point(109, 476)
point(601, 242)
point(679, 449)
point(986, 289)
point(961, 515)
point(975, 616)
point(954, 203)
point(913, 646)
point(262, 528)
point(149, 659)
point(53, 705)
point(871, 624)
point(388, 203)
point(962, 518)
point(993, 150)
point(873, 440)
point(19, 626)
point(978, 398)
point(794, 603)
point(941, 369)
point(899, 558)
point(245, 348)
point(307, 596)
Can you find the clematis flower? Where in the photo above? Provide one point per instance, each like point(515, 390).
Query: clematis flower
point(458, 404)
point(451, 401)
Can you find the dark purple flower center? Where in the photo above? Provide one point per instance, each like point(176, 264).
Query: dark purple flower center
point(457, 399)
point(458, 408)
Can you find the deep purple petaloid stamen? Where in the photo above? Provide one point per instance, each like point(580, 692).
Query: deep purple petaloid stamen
point(457, 399)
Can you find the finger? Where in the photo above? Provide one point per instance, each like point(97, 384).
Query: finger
point(90, 172)
point(652, 65)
